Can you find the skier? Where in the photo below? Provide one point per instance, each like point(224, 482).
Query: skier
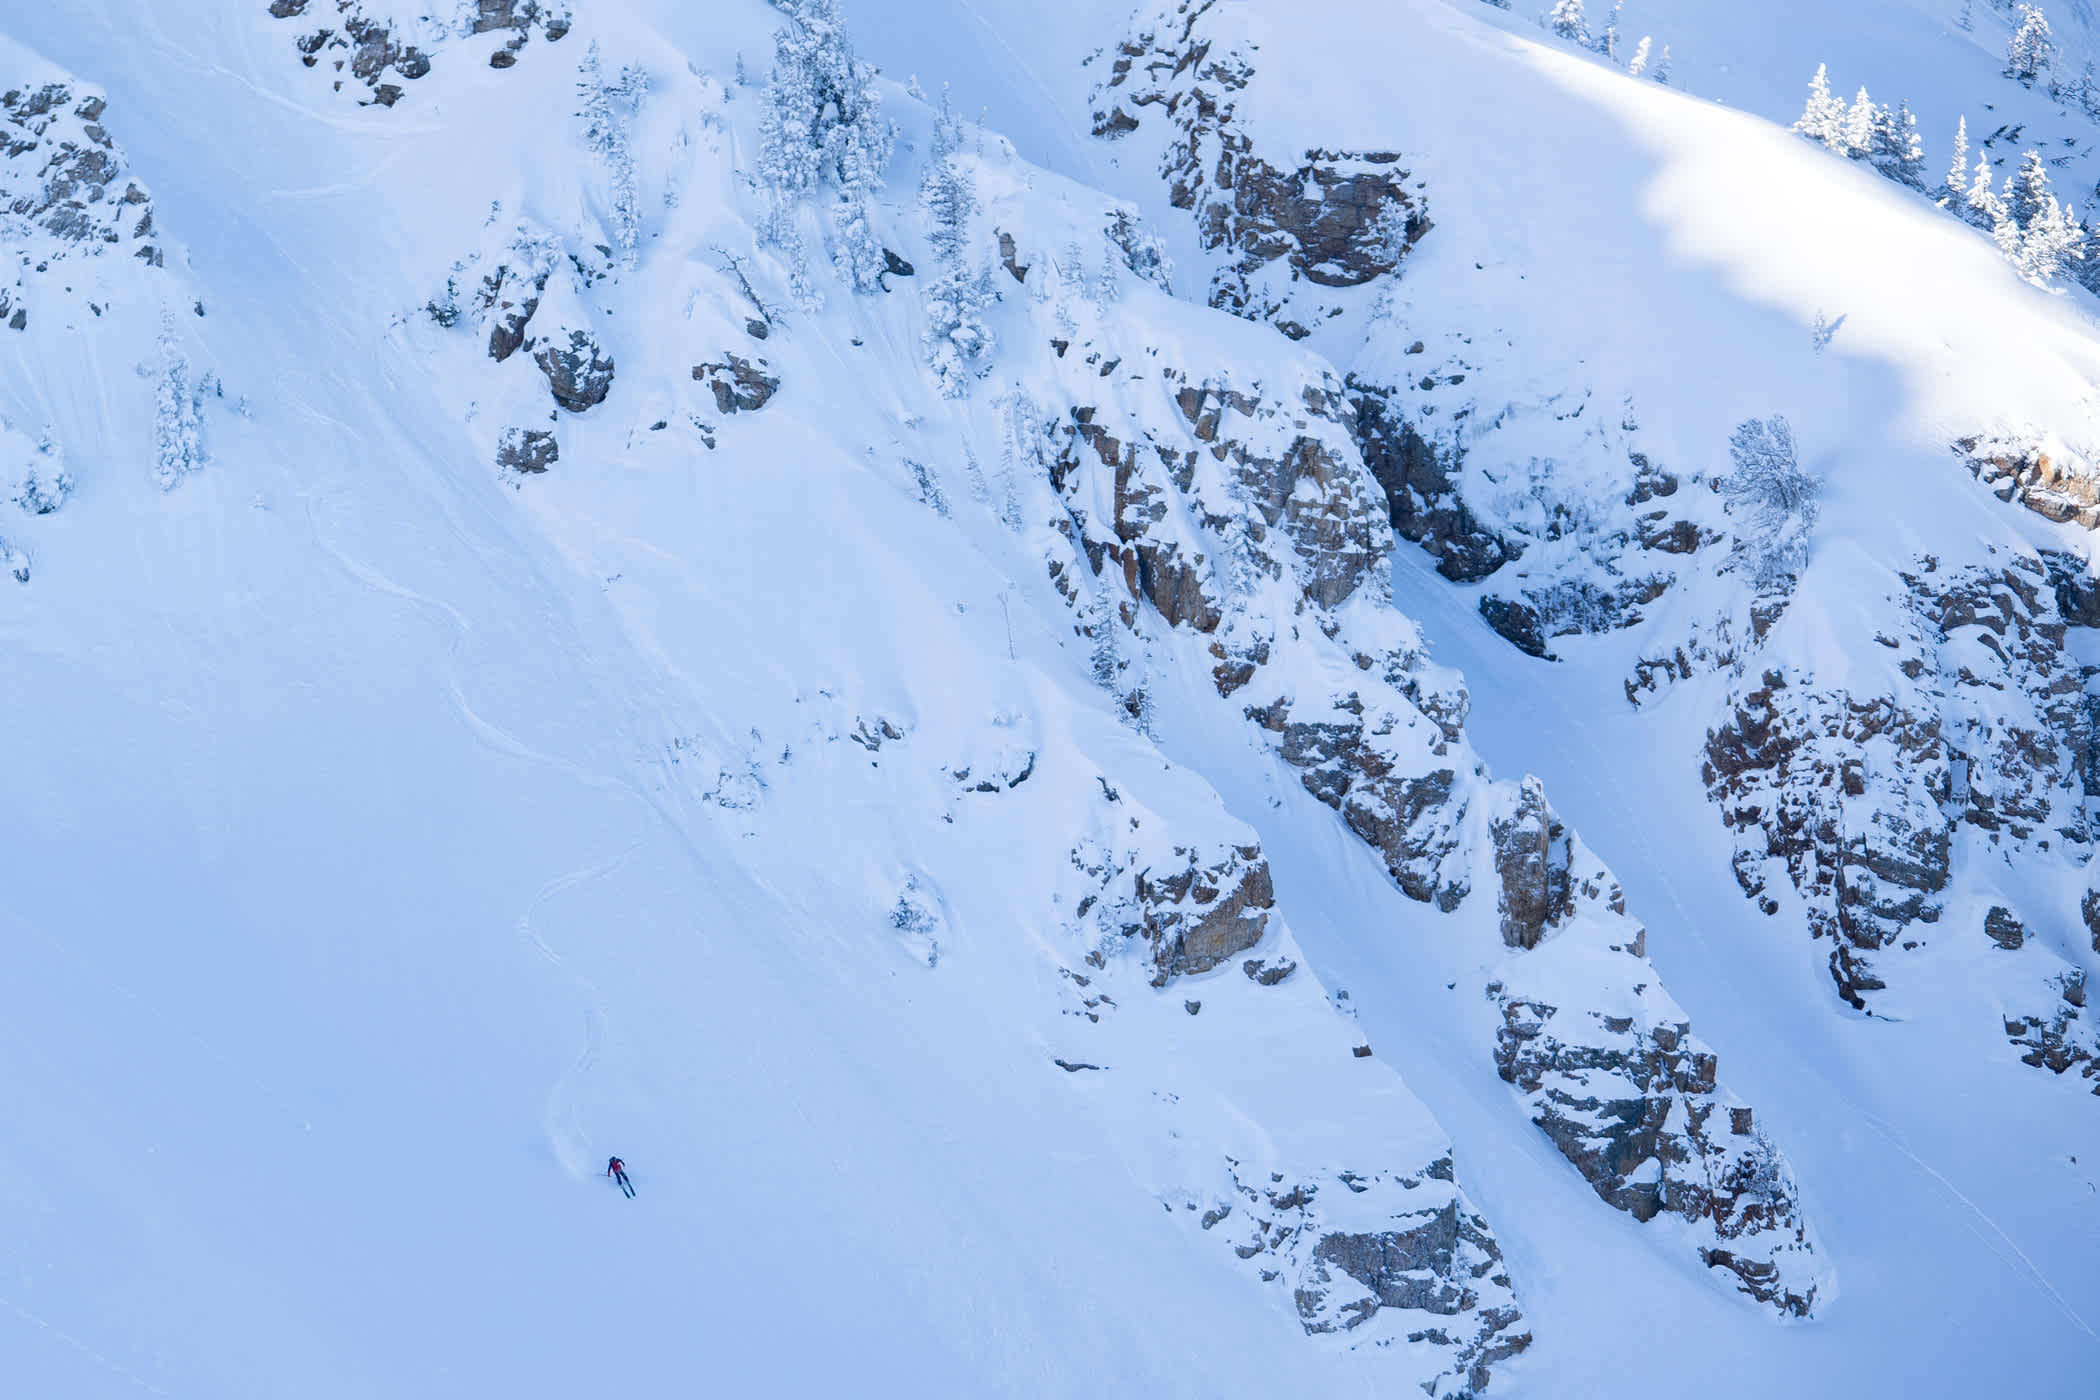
point(617, 1170)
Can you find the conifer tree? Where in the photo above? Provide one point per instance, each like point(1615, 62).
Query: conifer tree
point(957, 295)
point(2031, 51)
point(1954, 194)
point(1568, 21)
point(1897, 151)
point(1638, 64)
point(2027, 191)
point(1859, 127)
point(823, 128)
point(1983, 209)
point(1823, 119)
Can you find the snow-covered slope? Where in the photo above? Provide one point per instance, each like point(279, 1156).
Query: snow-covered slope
point(1028, 874)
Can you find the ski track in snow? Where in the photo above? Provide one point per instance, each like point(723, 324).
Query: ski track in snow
point(2041, 1280)
point(59, 1334)
point(563, 1131)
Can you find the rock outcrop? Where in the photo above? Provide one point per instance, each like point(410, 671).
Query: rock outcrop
point(379, 53)
point(527, 450)
point(354, 47)
point(65, 191)
point(523, 292)
point(739, 385)
point(1292, 225)
point(1632, 1100)
point(1191, 907)
point(578, 370)
point(2045, 476)
point(1352, 1246)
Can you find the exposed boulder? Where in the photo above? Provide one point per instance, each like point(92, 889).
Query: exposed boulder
point(527, 450)
point(739, 385)
point(577, 368)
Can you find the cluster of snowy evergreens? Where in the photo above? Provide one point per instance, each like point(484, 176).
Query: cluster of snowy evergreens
point(823, 130)
point(178, 418)
point(1884, 137)
point(958, 291)
point(2038, 234)
point(1570, 21)
point(608, 113)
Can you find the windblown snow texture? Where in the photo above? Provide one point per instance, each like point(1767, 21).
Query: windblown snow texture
point(1242, 699)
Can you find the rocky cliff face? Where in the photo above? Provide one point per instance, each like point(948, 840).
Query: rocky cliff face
point(1981, 732)
point(1246, 522)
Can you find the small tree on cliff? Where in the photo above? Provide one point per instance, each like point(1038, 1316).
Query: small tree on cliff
point(957, 294)
point(1773, 498)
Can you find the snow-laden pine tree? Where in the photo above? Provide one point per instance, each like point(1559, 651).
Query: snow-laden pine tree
point(2036, 232)
point(958, 293)
point(608, 111)
point(823, 130)
point(1954, 193)
point(1568, 21)
point(1823, 119)
point(1662, 66)
point(1858, 129)
point(2031, 51)
point(46, 483)
point(178, 424)
point(2027, 191)
point(1607, 42)
point(1145, 253)
point(1983, 208)
point(1896, 150)
point(1772, 497)
point(1638, 64)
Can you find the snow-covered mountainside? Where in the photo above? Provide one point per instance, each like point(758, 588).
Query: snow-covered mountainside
point(1236, 699)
